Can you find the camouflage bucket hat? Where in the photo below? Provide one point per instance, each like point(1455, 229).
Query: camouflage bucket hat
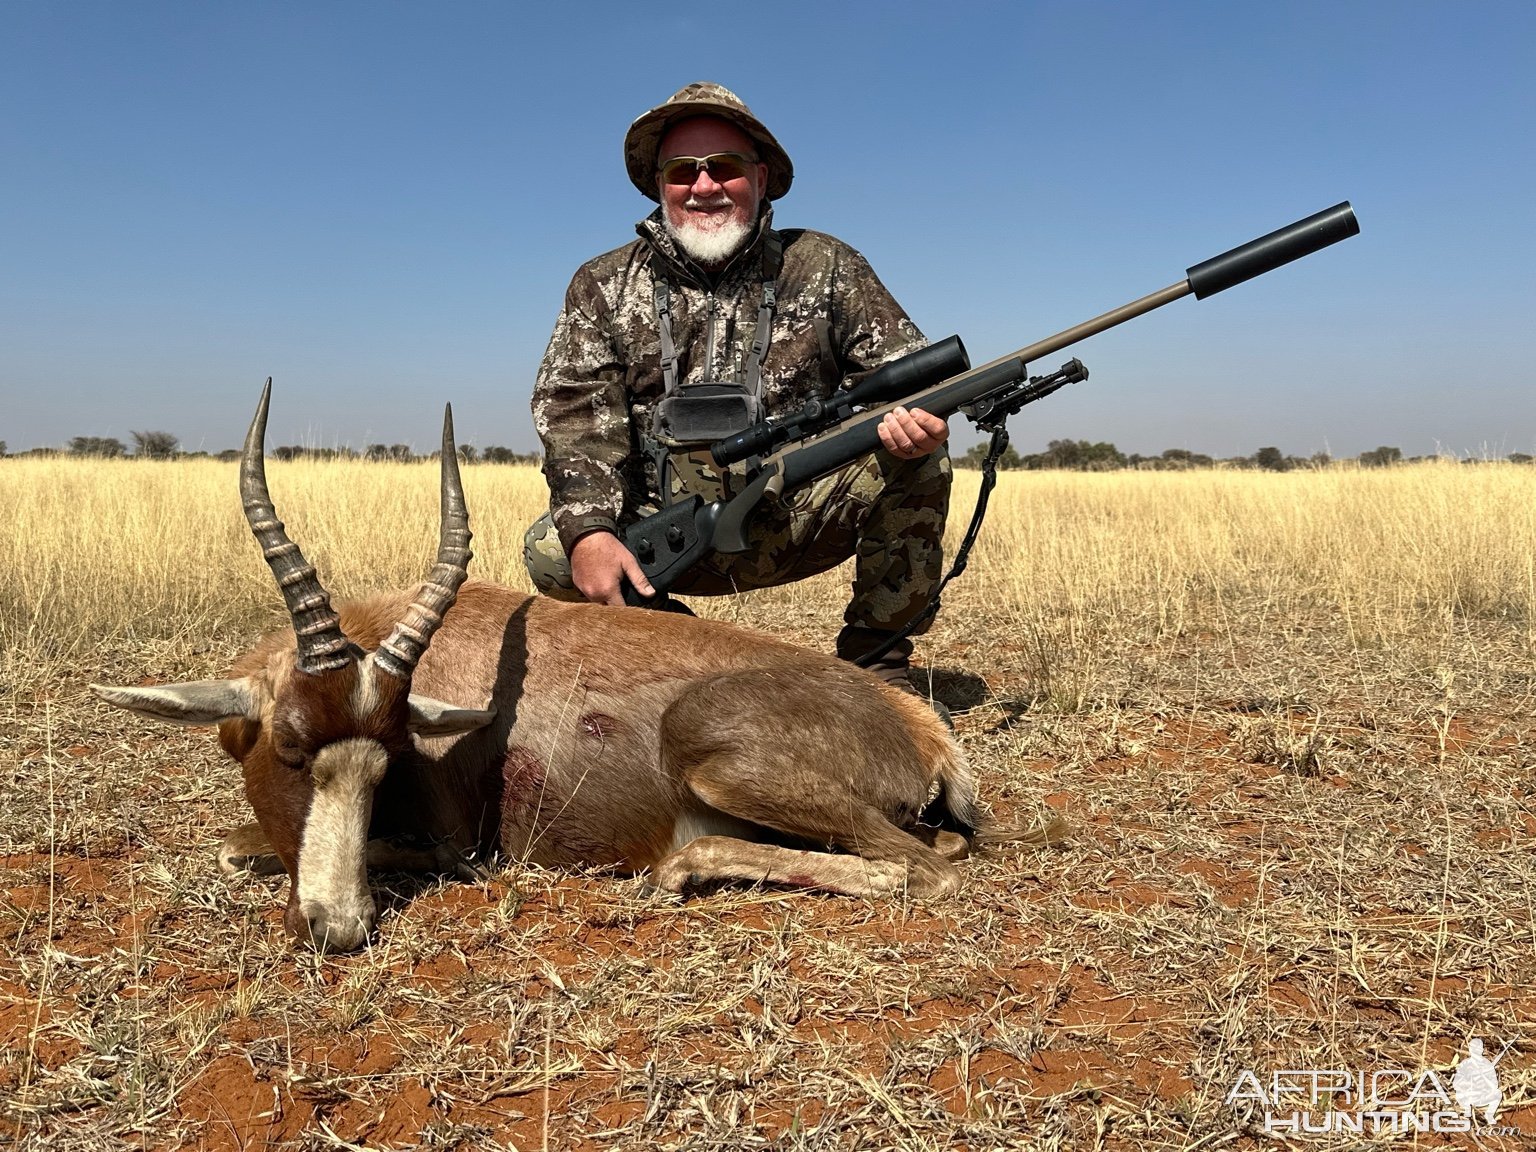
point(643, 139)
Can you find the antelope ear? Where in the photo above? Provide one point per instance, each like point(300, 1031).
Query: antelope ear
point(431, 717)
point(191, 704)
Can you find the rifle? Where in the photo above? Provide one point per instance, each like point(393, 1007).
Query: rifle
point(784, 453)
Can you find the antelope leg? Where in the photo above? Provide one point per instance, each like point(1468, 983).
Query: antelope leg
point(715, 858)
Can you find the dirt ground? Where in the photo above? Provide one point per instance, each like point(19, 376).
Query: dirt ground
point(1288, 854)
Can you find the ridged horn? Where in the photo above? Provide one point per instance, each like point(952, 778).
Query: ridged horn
point(400, 652)
point(322, 647)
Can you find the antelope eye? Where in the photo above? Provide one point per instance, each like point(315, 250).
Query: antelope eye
point(289, 752)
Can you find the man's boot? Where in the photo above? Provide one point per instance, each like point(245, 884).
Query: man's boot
point(895, 667)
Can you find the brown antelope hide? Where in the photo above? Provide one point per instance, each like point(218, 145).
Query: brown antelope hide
point(562, 735)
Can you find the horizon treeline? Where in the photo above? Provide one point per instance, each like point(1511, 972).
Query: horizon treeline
point(165, 446)
point(1103, 456)
point(1060, 455)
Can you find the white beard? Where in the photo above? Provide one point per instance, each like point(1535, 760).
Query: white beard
point(709, 243)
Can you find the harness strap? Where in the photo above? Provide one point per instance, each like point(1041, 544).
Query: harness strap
point(754, 379)
point(661, 292)
point(662, 296)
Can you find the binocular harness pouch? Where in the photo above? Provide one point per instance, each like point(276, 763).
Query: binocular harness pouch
point(695, 414)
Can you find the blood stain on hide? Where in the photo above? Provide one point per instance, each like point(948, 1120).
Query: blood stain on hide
point(522, 775)
point(598, 724)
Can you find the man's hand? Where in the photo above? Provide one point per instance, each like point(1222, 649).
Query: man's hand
point(598, 561)
point(910, 433)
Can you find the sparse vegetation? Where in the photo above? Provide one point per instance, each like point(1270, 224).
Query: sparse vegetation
point(1288, 713)
point(1270, 459)
point(1381, 457)
point(399, 453)
point(154, 445)
point(1083, 456)
point(109, 447)
point(1059, 455)
point(496, 454)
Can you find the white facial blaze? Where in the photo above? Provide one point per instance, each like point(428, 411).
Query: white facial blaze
point(365, 696)
point(333, 854)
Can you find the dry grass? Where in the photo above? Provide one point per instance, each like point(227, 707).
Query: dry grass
point(1290, 716)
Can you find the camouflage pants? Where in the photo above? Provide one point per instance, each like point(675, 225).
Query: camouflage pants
point(887, 513)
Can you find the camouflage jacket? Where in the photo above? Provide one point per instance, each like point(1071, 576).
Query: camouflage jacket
point(601, 374)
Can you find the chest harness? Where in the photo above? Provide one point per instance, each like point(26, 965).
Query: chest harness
point(692, 415)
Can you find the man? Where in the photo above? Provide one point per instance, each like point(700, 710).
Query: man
point(712, 307)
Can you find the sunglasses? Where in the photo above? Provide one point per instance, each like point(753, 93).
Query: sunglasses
point(721, 166)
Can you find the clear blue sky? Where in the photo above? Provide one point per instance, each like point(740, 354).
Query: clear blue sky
point(380, 204)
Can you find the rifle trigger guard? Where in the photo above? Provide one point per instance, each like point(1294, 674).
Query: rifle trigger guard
point(730, 524)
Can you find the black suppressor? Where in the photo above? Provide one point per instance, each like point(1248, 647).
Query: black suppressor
point(1269, 252)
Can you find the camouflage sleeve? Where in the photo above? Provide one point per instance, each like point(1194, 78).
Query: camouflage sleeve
point(581, 415)
point(869, 325)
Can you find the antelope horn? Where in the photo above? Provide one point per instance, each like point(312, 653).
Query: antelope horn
point(322, 647)
point(399, 653)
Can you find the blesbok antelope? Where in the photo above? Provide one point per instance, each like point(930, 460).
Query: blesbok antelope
point(559, 734)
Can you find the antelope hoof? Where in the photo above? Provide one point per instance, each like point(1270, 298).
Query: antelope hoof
point(951, 845)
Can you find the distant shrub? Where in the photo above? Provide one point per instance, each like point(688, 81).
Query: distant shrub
point(108, 446)
point(496, 454)
point(154, 445)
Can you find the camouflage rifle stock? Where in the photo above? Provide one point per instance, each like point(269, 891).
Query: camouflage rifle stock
point(788, 452)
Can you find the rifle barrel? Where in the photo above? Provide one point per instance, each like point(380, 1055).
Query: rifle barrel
point(1093, 327)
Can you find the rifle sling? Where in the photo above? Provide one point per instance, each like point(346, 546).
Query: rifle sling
point(995, 450)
